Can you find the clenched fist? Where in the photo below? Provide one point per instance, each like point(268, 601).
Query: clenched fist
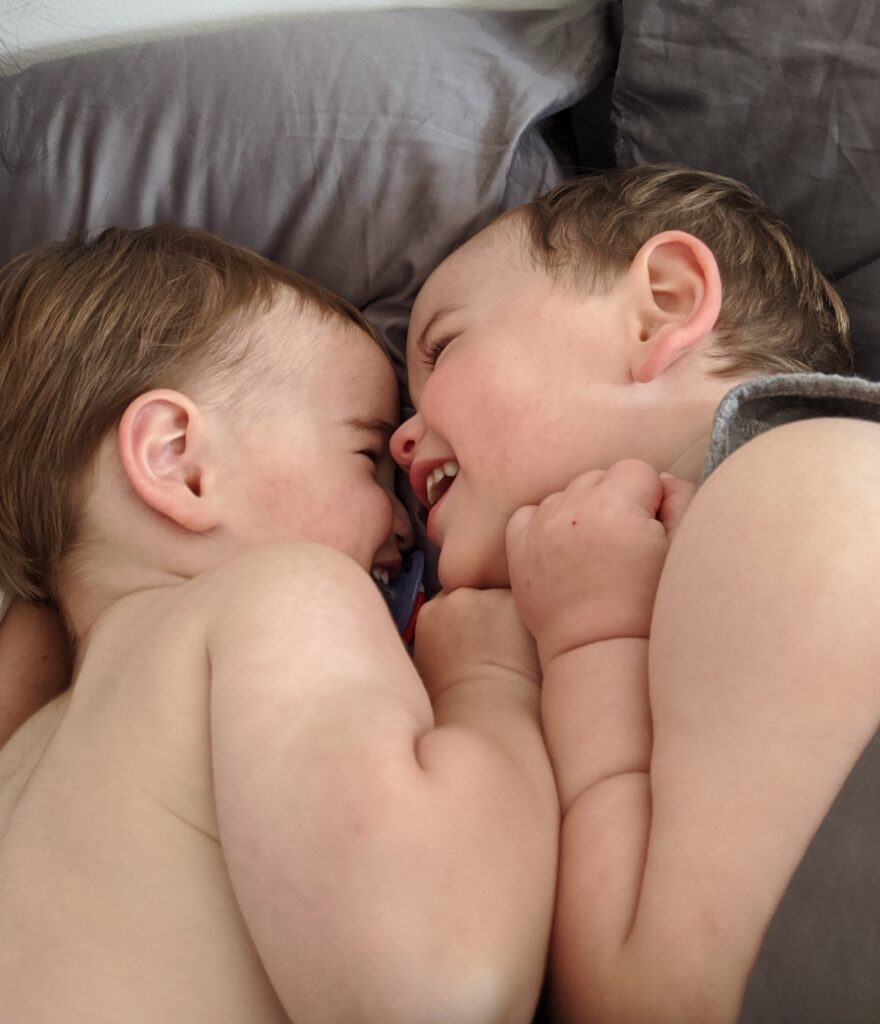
point(585, 563)
point(471, 632)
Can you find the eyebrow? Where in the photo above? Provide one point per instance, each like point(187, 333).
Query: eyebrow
point(370, 425)
point(439, 314)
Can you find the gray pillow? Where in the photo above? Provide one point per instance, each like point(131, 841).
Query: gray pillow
point(356, 148)
point(782, 96)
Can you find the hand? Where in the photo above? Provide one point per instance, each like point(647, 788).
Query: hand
point(585, 563)
point(469, 633)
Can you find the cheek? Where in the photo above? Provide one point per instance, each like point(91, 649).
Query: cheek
point(363, 523)
point(383, 516)
point(472, 407)
point(279, 502)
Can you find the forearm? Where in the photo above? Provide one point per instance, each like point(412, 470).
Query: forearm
point(504, 711)
point(488, 766)
point(435, 874)
point(469, 861)
point(598, 728)
point(596, 714)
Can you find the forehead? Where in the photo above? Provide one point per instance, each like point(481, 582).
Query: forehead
point(484, 268)
point(321, 355)
point(296, 330)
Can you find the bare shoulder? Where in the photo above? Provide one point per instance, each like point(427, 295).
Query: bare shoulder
point(810, 471)
point(20, 754)
point(812, 486)
point(291, 585)
point(276, 568)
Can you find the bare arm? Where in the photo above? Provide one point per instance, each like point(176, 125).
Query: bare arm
point(585, 566)
point(390, 866)
point(763, 687)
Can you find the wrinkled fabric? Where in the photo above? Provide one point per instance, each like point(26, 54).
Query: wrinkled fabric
point(356, 148)
point(755, 406)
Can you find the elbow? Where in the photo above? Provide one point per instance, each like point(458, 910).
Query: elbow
point(419, 981)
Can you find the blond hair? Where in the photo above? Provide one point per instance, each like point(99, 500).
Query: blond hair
point(87, 326)
point(778, 313)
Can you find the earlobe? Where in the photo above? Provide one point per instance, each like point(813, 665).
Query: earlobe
point(678, 299)
point(163, 449)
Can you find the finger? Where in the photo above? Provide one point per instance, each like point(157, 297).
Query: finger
point(677, 496)
point(517, 525)
point(637, 483)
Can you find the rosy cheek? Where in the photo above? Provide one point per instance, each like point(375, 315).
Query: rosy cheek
point(384, 517)
point(361, 527)
point(275, 501)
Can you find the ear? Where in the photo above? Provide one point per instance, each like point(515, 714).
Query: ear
point(677, 288)
point(163, 446)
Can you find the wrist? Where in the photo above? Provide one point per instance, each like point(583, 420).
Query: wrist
point(582, 625)
point(484, 677)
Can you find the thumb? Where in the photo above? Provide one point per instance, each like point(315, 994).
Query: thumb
point(677, 496)
point(517, 526)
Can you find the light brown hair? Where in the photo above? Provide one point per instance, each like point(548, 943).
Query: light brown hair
point(87, 326)
point(778, 313)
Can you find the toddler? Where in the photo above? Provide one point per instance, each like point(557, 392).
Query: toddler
point(567, 365)
point(248, 806)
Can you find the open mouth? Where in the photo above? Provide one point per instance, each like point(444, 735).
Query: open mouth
point(439, 481)
point(386, 573)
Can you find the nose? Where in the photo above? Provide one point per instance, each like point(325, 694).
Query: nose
point(405, 439)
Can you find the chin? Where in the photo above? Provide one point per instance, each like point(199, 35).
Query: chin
point(458, 570)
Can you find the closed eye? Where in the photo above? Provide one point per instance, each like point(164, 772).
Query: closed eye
point(434, 349)
point(376, 432)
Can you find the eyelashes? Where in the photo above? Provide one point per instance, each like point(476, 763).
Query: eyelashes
point(434, 349)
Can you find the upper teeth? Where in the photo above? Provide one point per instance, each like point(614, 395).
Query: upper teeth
point(436, 477)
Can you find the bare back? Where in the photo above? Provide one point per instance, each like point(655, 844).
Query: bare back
point(115, 903)
point(270, 704)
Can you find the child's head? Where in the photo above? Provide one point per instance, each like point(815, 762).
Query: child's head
point(778, 313)
point(224, 398)
point(605, 320)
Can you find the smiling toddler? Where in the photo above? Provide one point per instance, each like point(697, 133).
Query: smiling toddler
point(578, 368)
point(249, 805)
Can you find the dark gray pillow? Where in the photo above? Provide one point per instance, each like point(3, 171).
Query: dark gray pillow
point(783, 96)
point(356, 148)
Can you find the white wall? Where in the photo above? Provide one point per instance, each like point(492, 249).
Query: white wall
point(39, 29)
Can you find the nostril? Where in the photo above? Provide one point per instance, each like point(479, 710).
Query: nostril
point(408, 446)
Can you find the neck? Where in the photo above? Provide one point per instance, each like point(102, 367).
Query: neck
point(689, 463)
point(123, 548)
point(87, 592)
point(695, 416)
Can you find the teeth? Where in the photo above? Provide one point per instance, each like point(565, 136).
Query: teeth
point(381, 576)
point(436, 478)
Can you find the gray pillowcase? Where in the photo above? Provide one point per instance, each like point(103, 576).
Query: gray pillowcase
point(782, 96)
point(356, 148)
